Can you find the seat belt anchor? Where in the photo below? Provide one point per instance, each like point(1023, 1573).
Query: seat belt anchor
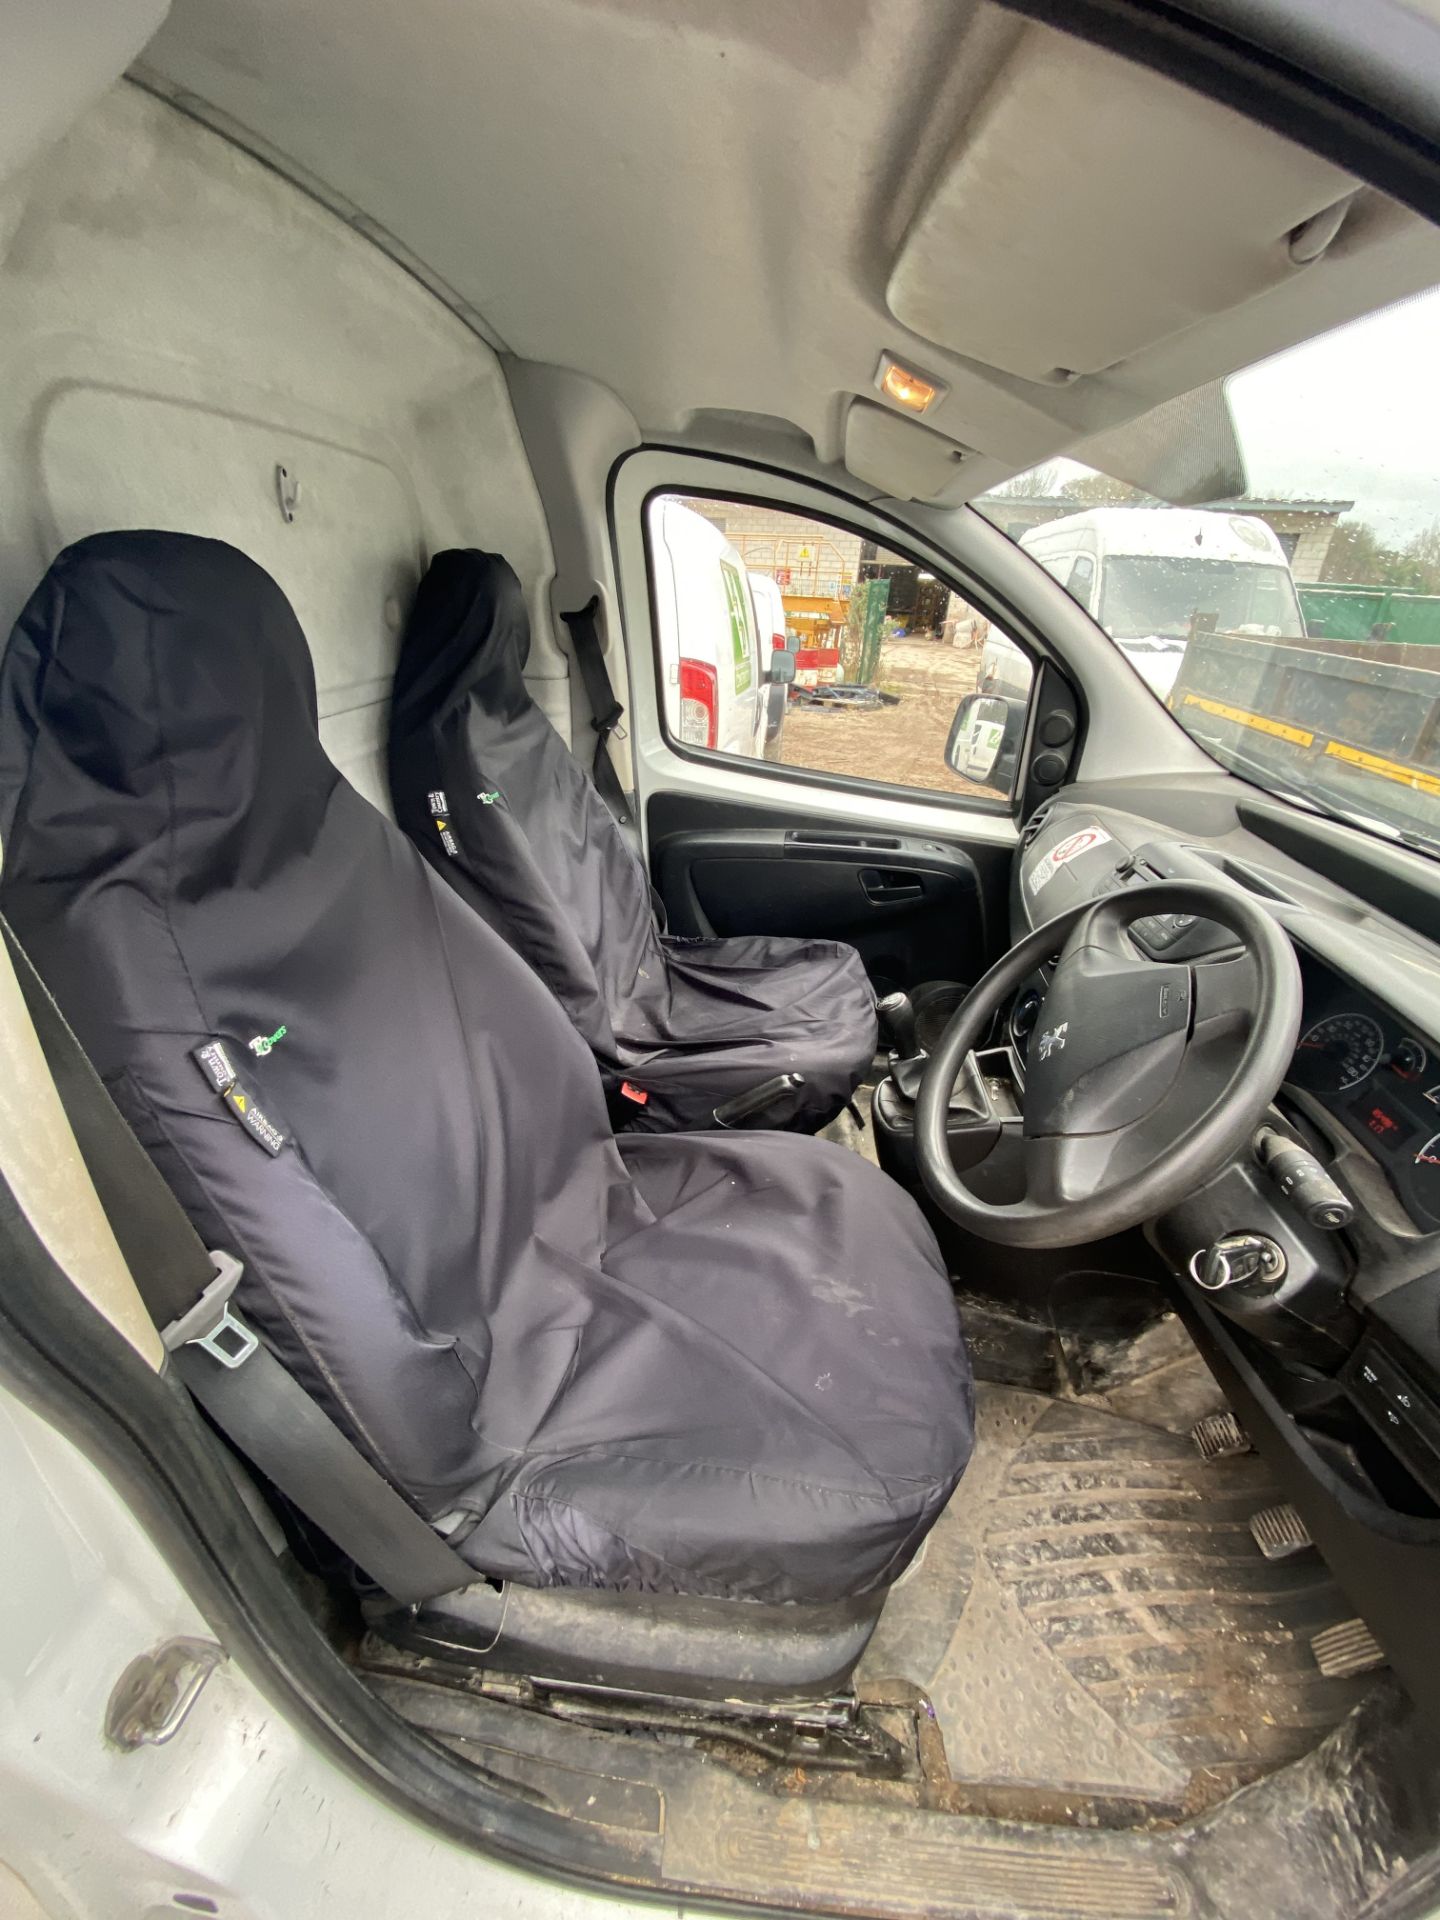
point(211, 1323)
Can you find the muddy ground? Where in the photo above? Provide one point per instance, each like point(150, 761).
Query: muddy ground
point(905, 743)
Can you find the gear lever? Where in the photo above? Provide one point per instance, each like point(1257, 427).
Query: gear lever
point(897, 1025)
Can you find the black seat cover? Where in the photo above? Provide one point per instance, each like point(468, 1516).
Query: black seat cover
point(724, 1364)
point(490, 794)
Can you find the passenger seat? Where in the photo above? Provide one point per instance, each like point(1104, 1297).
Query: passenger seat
point(490, 794)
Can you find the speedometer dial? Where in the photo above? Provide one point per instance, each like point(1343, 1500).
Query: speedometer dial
point(1339, 1052)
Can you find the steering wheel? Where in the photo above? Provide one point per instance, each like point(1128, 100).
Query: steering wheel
point(1143, 1078)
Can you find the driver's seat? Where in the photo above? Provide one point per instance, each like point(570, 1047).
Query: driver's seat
point(720, 1365)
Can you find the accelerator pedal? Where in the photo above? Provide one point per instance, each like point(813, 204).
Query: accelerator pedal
point(1279, 1532)
point(1346, 1650)
point(1218, 1436)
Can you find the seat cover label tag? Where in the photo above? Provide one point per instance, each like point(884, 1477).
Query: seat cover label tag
point(242, 1105)
point(439, 814)
point(215, 1063)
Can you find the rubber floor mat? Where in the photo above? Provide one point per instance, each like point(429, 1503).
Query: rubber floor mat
point(1093, 1615)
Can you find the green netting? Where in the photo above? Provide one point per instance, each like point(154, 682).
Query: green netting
point(865, 631)
point(1355, 613)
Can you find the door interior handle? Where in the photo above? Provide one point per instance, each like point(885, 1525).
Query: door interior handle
point(885, 885)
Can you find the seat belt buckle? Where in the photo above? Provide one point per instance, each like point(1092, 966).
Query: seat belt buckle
point(211, 1323)
point(609, 723)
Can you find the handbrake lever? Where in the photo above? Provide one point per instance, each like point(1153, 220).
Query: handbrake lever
point(744, 1106)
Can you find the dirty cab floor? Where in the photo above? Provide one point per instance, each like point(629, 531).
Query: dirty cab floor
point(1094, 1621)
point(1109, 1695)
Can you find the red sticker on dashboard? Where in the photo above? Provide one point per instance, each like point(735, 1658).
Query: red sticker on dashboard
point(1085, 841)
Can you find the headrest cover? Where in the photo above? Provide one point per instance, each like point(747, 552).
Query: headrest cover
point(158, 716)
point(468, 634)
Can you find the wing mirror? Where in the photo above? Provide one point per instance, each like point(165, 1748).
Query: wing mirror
point(781, 671)
point(983, 737)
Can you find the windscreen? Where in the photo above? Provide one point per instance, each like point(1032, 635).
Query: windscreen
point(1170, 596)
point(1292, 629)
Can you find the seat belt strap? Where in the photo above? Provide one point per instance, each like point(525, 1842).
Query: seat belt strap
point(249, 1395)
point(606, 711)
point(264, 1412)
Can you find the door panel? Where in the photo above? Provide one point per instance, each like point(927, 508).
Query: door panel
point(857, 827)
point(916, 908)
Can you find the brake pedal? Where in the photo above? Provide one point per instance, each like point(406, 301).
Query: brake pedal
point(1343, 1651)
point(1279, 1532)
point(1218, 1436)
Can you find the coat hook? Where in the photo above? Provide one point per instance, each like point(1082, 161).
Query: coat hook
point(287, 491)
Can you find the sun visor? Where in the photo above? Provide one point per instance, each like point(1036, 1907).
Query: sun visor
point(58, 61)
point(1092, 208)
point(1184, 451)
point(902, 458)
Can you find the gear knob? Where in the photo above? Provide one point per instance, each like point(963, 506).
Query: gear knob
point(897, 1025)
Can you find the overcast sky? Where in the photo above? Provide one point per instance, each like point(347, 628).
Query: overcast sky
point(1354, 415)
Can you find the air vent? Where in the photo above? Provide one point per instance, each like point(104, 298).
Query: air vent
point(1033, 827)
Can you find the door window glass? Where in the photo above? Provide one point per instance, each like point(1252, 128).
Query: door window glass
point(806, 644)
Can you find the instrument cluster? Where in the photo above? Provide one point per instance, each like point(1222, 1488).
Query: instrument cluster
point(1380, 1080)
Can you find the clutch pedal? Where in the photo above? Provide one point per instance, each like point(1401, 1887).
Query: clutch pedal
point(1218, 1436)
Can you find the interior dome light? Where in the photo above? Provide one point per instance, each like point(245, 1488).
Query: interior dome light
point(916, 392)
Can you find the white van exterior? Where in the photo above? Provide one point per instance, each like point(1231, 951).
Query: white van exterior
point(712, 666)
point(774, 638)
point(1145, 573)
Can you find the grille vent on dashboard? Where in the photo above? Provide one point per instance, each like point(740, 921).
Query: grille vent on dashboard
point(1034, 824)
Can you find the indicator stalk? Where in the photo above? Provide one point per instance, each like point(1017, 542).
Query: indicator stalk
point(1302, 1180)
